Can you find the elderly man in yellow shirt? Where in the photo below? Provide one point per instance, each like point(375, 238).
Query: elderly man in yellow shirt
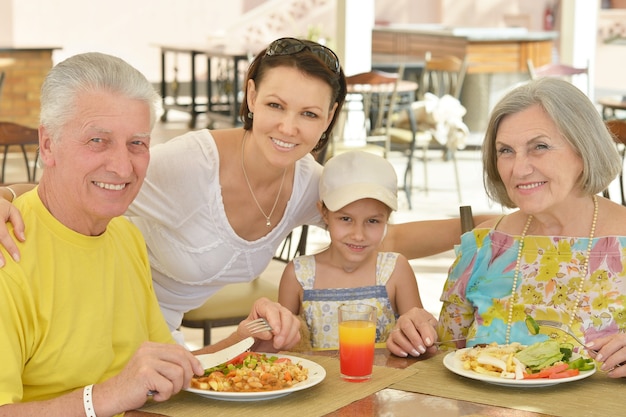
point(81, 332)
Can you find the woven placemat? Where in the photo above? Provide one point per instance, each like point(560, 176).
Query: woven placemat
point(597, 395)
point(329, 395)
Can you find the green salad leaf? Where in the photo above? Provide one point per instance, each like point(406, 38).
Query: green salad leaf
point(540, 355)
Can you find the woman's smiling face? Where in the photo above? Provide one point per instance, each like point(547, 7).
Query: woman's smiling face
point(539, 168)
point(291, 112)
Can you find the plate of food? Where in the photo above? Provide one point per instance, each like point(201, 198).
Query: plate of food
point(258, 376)
point(539, 365)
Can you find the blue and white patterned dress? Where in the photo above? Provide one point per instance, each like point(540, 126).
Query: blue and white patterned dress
point(320, 305)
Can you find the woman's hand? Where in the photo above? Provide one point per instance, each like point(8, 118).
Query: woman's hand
point(414, 334)
point(612, 353)
point(285, 326)
point(8, 213)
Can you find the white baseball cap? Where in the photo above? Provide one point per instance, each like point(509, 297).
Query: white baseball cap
point(355, 175)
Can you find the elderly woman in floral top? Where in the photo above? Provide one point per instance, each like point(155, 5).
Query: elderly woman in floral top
point(561, 256)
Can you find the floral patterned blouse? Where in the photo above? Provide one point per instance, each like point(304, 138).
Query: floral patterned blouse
point(477, 292)
point(320, 305)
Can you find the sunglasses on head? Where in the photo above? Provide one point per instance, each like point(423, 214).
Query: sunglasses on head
point(290, 46)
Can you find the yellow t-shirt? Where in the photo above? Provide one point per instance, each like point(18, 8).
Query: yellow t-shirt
point(75, 308)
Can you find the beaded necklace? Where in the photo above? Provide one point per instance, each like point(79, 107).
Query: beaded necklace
point(584, 270)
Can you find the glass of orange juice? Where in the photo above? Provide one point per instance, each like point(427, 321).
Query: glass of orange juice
point(357, 336)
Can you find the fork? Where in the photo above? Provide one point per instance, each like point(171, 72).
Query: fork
point(439, 343)
point(564, 327)
point(258, 325)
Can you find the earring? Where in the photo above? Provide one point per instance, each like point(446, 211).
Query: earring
point(323, 136)
point(250, 115)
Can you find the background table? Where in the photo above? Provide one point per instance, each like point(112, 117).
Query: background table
point(610, 105)
point(223, 89)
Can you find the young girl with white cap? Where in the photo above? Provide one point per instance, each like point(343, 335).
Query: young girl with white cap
point(358, 192)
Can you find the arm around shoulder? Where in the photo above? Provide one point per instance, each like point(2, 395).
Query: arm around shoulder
point(423, 238)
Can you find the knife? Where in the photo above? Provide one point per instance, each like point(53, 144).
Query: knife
point(209, 360)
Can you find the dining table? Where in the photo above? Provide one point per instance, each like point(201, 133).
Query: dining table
point(410, 386)
point(612, 104)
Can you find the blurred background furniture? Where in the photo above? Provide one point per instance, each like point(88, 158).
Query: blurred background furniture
point(4, 62)
point(434, 122)
point(224, 70)
point(27, 138)
point(371, 94)
point(229, 306)
point(557, 70)
point(467, 218)
point(2, 76)
point(618, 130)
point(495, 55)
point(612, 107)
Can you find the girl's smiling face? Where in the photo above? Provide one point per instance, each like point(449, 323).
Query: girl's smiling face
point(357, 230)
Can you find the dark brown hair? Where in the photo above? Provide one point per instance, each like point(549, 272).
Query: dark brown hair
point(307, 62)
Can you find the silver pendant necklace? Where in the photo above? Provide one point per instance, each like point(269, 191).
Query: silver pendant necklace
point(268, 223)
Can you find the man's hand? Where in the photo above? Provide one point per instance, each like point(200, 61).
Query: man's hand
point(156, 368)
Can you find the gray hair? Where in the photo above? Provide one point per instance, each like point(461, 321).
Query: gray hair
point(577, 120)
point(90, 72)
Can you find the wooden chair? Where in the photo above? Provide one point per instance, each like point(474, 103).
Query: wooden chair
point(232, 303)
point(564, 71)
point(442, 76)
point(2, 76)
point(467, 218)
point(617, 128)
point(13, 134)
point(229, 306)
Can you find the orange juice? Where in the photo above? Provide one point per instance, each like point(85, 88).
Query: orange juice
point(356, 349)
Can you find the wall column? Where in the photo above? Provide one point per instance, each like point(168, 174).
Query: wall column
point(355, 21)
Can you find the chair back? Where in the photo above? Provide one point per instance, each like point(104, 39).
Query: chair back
point(617, 128)
point(467, 218)
point(443, 75)
point(557, 70)
point(2, 75)
point(379, 89)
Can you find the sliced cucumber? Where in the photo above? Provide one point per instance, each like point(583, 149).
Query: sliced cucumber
point(532, 325)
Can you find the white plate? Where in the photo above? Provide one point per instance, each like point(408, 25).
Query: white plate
point(453, 363)
point(316, 375)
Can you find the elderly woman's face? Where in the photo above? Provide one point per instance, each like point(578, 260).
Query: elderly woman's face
point(539, 168)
